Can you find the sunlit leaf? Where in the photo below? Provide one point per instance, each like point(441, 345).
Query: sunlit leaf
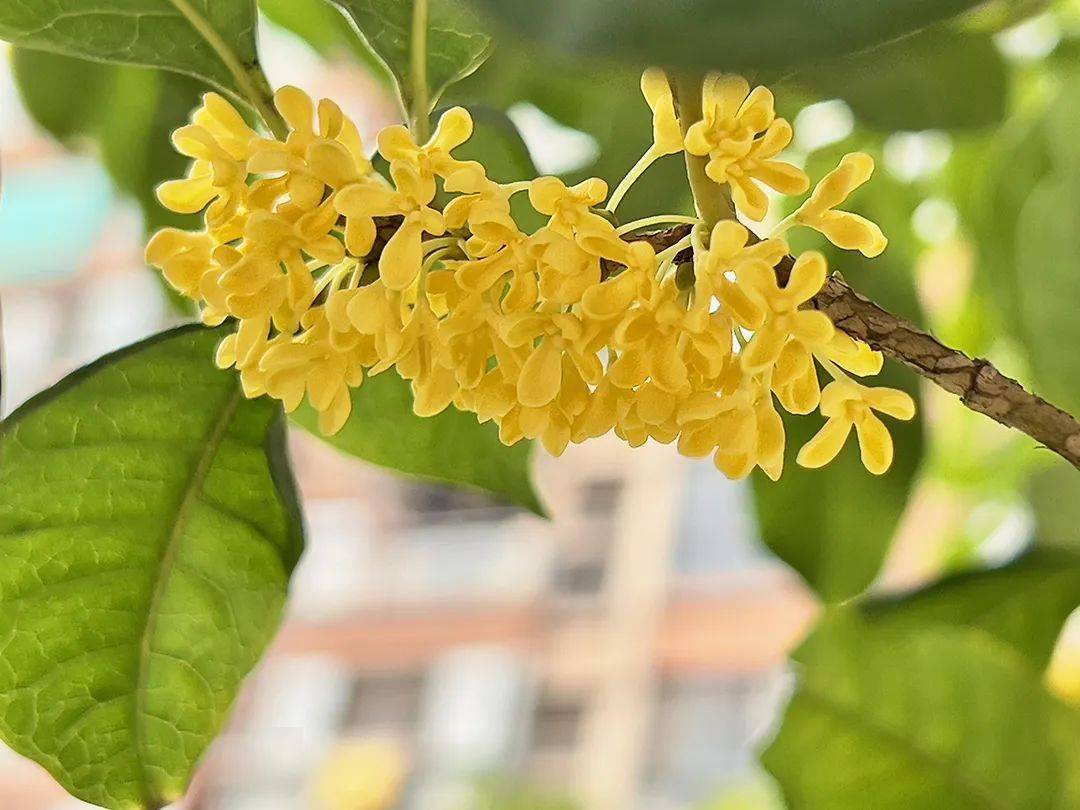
point(148, 528)
point(1024, 603)
point(212, 40)
point(455, 45)
point(941, 718)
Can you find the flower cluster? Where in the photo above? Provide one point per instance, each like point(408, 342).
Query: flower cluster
point(692, 333)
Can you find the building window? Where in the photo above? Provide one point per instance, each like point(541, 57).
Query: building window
point(553, 742)
point(435, 503)
point(600, 496)
point(385, 704)
point(705, 732)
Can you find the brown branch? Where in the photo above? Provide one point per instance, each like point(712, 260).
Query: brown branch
point(980, 386)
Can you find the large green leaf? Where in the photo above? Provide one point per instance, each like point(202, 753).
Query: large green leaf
point(452, 447)
point(212, 40)
point(148, 529)
point(938, 719)
point(1054, 493)
point(938, 79)
point(723, 34)
point(455, 46)
point(1047, 264)
point(1024, 603)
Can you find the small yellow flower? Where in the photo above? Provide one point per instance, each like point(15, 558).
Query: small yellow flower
point(847, 404)
point(559, 335)
point(215, 177)
point(750, 434)
point(781, 319)
point(842, 228)
point(741, 135)
point(183, 257)
point(568, 207)
point(399, 264)
point(455, 127)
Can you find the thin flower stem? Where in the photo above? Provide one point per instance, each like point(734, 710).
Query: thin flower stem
point(638, 169)
point(784, 225)
point(670, 252)
point(834, 370)
point(435, 257)
point(432, 245)
point(419, 103)
point(250, 79)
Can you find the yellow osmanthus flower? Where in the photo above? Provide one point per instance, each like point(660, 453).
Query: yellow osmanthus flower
point(847, 404)
point(779, 317)
point(333, 272)
point(741, 135)
point(842, 228)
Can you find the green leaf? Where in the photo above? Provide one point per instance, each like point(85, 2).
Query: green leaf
point(938, 79)
point(148, 529)
point(1023, 604)
point(212, 40)
point(1048, 267)
point(722, 34)
point(941, 719)
point(1054, 494)
point(455, 45)
point(452, 447)
point(996, 182)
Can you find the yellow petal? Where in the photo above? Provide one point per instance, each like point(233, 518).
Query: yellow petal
point(825, 446)
point(295, 107)
point(400, 262)
point(454, 128)
point(545, 193)
point(807, 277)
point(334, 418)
point(813, 328)
point(782, 177)
point(895, 403)
point(332, 163)
point(395, 143)
point(853, 232)
point(541, 375)
point(763, 349)
point(749, 198)
point(875, 444)
point(723, 94)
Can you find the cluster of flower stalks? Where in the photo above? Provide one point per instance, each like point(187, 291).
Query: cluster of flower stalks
point(333, 272)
